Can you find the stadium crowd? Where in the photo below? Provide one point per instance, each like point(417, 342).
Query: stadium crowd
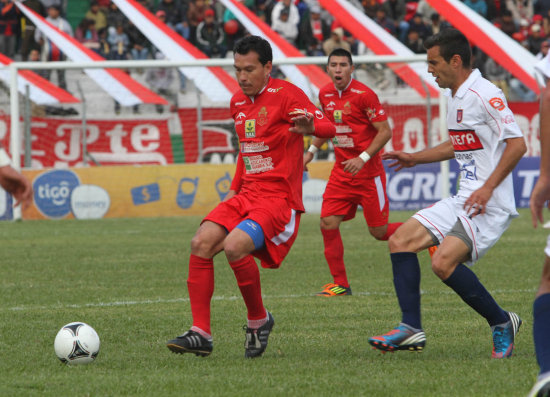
point(303, 23)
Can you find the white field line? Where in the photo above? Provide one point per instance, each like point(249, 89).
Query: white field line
point(228, 298)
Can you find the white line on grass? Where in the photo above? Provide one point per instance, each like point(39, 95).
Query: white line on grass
point(228, 298)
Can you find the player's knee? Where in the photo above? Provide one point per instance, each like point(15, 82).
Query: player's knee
point(396, 243)
point(201, 246)
point(378, 233)
point(234, 250)
point(440, 268)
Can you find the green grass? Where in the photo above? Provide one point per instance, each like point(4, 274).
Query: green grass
point(126, 278)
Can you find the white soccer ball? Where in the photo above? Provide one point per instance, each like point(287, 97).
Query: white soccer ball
point(76, 343)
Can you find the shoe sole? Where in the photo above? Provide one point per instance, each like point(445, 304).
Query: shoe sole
point(181, 350)
point(331, 295)
point(417, 346)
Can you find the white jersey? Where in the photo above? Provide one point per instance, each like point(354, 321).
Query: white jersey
point(479, 121)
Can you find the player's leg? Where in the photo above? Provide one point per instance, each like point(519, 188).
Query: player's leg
point(334, 255)
point(541, 330)
point(247, 237)
point(376, 208)
point(208, 240)
point(447, 264)
point(404, 244)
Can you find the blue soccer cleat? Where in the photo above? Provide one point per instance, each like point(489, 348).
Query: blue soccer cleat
point(503, 337)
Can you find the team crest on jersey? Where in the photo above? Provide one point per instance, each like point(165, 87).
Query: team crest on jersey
point(262, 116)
point(371, 113)
point(250, 128)
point(497, 103)
point(337, 114)
point(465, 140)
point(347, 108)
point(459, 114)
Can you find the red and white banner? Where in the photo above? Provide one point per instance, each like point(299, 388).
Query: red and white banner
point(57, 142)
point(215, 82)
point(382, 43)
point(117, 83)
point(309, 78)
point(494, 42)
point(41, 91)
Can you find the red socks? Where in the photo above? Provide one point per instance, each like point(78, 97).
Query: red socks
point(248, 279)
point(334, 254)
point(200, 284)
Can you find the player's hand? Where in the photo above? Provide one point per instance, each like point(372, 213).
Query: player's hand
point(539, 196)
point(476, 204)
point(402, 160)
point(307, 159)
point(303, 122)
point(17, 185)
point(354, 165)
point(229, 194)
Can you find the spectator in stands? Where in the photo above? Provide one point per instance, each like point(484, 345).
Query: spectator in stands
point(10, 31)
point(417, 23)
point(139, 45)
point(336, 40)
point(539, 20)
point(50, 51)
point(96, 15)
point(497, 75)
point(438, 23)
point(287, 28)
point(541, 7)
point(285, 18)
point(86, 34)
point(104, 6)
point(370, 7)
point(384, 21)
point(175, 17)
point(34, 56)
point(264, 8)
point(396, 10)
point(210, 36)
point(54, 3)
point(28, 42)
point(104, 48)
point(479, 6)
point(415, 42)
point(195, 15)
point(313, 32)
point(535, 39)
point(119, 42)
point(426, 10)
point(521, 10)
point(115, 17)
point(544, 47)
point(506, 23)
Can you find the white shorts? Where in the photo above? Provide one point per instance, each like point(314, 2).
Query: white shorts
point(547, 249)
point(483, 230)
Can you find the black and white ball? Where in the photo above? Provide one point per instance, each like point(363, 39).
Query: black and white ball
point(76, 343)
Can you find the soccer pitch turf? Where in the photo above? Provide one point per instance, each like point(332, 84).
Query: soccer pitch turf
point(126, 278)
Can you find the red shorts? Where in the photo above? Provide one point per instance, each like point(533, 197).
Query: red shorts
point(343, 197)
point(279, 223)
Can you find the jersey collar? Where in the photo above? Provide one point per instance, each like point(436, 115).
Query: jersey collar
point(262, 90)
point(464, 87)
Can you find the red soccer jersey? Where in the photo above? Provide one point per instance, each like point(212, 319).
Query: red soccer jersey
point(270, 159)
point(352, 111)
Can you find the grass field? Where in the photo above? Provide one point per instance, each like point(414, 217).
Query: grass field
point(126, 278)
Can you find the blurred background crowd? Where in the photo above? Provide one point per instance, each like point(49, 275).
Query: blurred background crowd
point(102, 27)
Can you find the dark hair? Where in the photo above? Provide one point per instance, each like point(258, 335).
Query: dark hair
point(451, 42)
point(257, 44)
point(340, 52)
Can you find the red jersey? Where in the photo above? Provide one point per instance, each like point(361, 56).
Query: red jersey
point(270, 159)
point(352, 111)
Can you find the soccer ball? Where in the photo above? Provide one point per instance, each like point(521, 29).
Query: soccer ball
point(76, 343)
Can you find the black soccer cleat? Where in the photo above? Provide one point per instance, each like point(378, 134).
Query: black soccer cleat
point(191, 342)
point(256, 339)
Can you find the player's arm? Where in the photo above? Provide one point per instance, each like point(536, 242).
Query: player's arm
point(14, 182)
point(313, 148)
point(441, 152)
point(308, 122)
point(514, 151)
point(541, 192)
point(237, 181)
point(382, 137)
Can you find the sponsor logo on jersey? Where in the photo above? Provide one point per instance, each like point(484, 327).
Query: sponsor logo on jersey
point(240, 115)
point(262, 116)
point(253, 147)
point(329, 95)
point(497, 103)
point(240, 103)
point(342, 141)
point(465, 140)
point(347, 108)
point(256, 164)
point(343, 129)
point(330, 105)
point(459, 115)
point(319, 114)
point(356, 91)
point(250, 128)
point(508, 119)
point(274, 89)
point(337, 114)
